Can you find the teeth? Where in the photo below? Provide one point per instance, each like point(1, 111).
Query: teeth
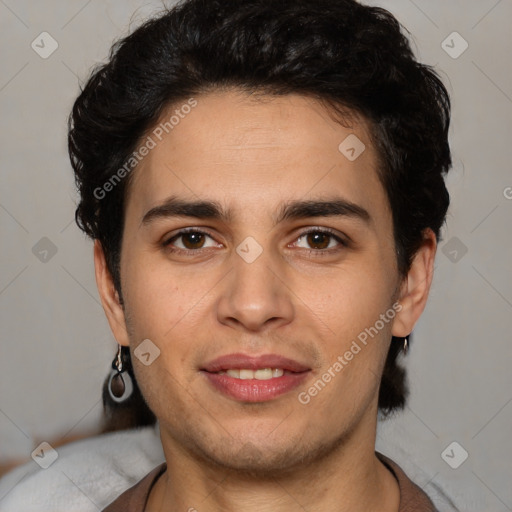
point(247, 374)
point(261, 374)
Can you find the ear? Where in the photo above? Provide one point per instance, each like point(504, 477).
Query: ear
point(109, 296)
point(416, 286)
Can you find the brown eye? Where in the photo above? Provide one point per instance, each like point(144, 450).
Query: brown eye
point(193, 240)
point(188, 241)
point(318, 239)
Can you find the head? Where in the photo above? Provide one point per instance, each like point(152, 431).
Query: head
point(246, 105)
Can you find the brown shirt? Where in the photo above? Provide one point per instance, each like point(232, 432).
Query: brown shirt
point(412, 498)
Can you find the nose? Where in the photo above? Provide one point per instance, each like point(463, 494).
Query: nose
point(256, 296)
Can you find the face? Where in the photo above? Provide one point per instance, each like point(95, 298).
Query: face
point(251, 275)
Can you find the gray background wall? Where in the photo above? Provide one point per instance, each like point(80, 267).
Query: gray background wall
point(55, 342)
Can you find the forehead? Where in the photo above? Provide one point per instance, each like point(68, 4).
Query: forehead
point(253, 153)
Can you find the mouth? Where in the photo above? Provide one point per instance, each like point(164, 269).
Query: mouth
point(260, 374)
point(254, 379)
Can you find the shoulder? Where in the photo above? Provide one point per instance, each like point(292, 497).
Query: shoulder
point(412, 498)
point(87, 474)
point(136, 497)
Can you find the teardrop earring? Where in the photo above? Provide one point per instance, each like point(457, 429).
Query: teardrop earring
point(120, 385)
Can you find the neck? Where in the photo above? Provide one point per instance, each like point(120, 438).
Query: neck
point(348, 478)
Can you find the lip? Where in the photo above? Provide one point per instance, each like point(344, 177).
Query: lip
point(238, 360)
point(254, 390)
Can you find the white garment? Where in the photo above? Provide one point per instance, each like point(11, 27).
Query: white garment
point(86, 476)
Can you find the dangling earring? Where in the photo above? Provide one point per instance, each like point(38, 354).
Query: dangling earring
point(120, 385)
point(405, 347)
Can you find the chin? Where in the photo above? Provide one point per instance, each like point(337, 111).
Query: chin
point(262, 457)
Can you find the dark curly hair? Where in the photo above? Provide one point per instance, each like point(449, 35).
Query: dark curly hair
point(350, 57)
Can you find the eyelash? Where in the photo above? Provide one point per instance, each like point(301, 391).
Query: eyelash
point(313, 252)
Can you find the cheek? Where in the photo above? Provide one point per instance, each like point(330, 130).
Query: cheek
point(156, 298)
point(356, 299)
point(163, 389)
point(359, 315)
point(167, 309)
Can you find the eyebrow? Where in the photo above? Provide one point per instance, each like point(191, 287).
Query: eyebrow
point(296, 209)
